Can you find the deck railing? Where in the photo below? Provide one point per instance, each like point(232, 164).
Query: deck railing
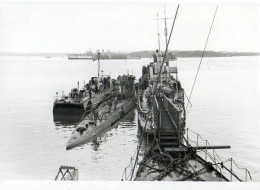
point(174, 113)
point(128, 171)
point(217, 162)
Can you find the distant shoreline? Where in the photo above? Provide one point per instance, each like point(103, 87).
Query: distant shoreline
point(186, 54)
point(145, 54)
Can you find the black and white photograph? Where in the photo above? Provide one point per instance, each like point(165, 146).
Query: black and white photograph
point(153, 94)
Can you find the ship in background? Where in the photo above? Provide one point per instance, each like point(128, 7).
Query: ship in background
point(103, 55)
point(87, 55)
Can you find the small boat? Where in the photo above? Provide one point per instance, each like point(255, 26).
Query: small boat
point(87, 130)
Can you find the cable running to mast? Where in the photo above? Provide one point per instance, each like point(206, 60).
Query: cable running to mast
point(154, 92)
point(202, 57)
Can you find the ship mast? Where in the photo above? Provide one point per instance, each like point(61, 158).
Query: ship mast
point(165, 27)
point(98, 56)
point(165, 33)
point(159, 44)
point(158, 33)
point(166, 40)
point(154, 93)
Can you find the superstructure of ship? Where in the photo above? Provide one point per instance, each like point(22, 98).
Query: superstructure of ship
point(119, 101)
point(79, 102)
point(169, 150)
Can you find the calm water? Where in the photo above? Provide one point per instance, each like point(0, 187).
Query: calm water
point(225, 111)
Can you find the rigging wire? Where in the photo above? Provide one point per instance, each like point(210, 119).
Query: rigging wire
point(155, 89)
point(202, 57)
point(154, 93)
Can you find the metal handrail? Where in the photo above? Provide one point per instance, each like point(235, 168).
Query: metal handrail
point(167, 99)
point(156, 103)
point(172, 120)
point(157, 113)
point(172, 109)
point(130, 165)
point(217, 160)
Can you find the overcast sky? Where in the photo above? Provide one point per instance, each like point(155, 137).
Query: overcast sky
point(78, 27)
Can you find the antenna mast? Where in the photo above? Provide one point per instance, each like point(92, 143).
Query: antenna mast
point(98, 56)
point(158, 33)
point(165, 26)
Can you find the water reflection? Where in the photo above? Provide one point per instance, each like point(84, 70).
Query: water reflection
point(127, 122)
point(124, 127)
point(67, 116)
point(95, 144)
point(65, 121)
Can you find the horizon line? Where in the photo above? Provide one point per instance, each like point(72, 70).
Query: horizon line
point(130, 51)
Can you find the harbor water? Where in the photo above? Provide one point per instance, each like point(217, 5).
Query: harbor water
point(225, 111)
